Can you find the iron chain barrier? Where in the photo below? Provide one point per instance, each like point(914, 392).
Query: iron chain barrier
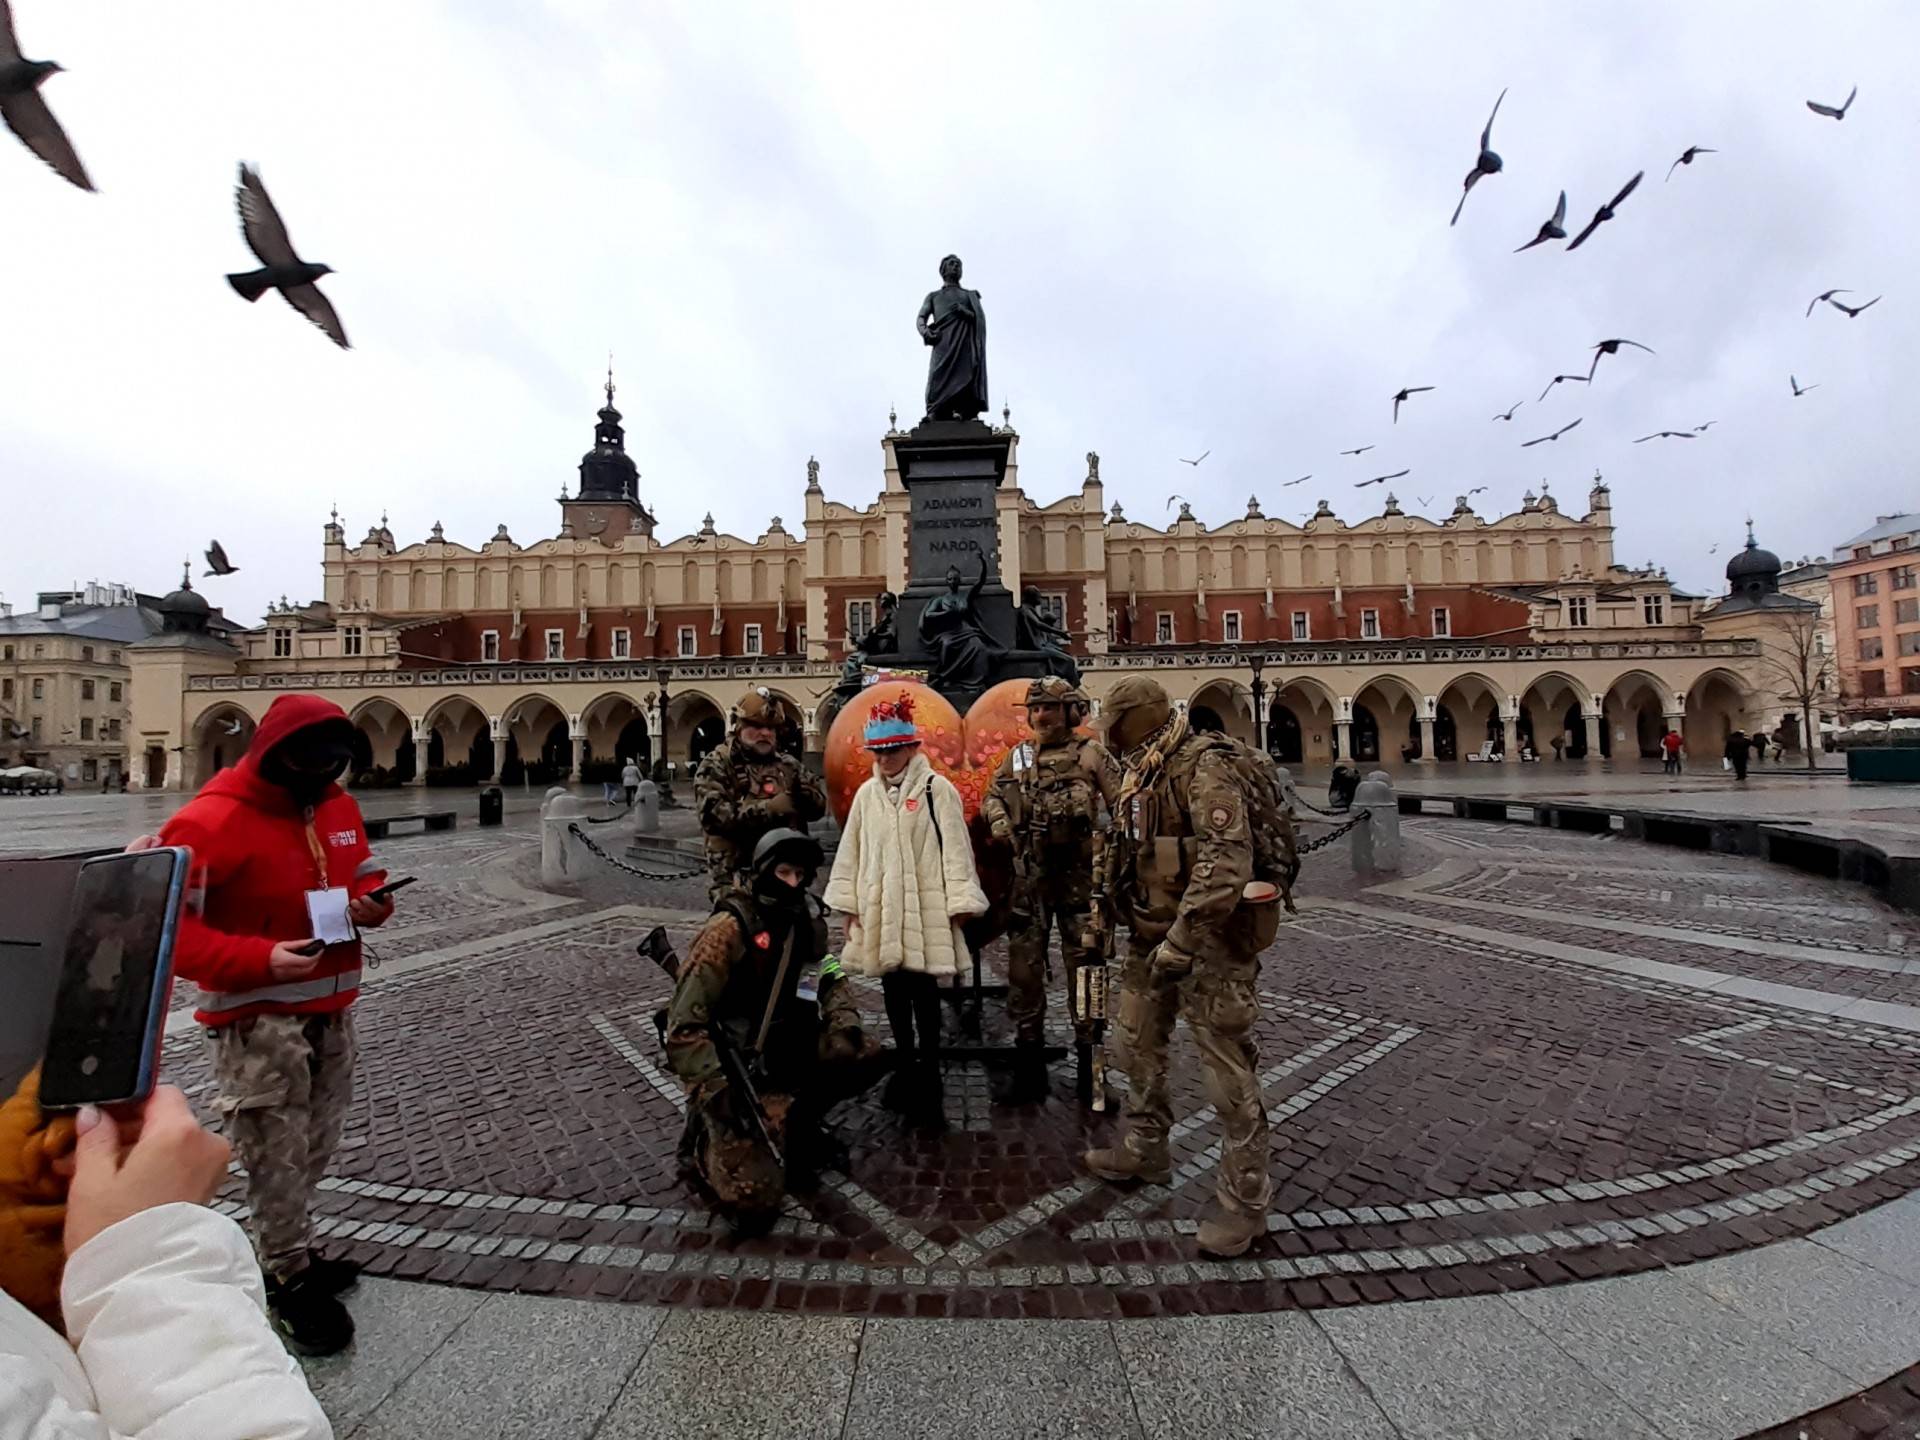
point(618, 864)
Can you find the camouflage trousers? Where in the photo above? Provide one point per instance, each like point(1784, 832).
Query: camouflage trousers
point(1220, 1006)
point(1028, 935)
point(283, 1084)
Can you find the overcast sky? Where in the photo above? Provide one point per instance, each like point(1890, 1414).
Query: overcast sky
point(1194, 227)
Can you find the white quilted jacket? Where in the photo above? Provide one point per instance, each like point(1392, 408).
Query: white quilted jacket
point(905, 886)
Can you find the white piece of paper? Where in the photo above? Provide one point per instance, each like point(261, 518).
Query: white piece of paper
point(327, 909)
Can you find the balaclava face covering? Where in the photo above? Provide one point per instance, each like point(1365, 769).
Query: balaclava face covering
point(308, 761)
point(1127, 728)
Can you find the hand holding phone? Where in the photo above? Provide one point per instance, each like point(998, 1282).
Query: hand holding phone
point(385, 893)
point(122, 1168)
point(295, 959)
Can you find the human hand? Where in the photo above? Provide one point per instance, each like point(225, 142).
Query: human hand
point(141, 842)
point(366, 912)
point(1166, 963)
point(288, 963)
point(173, 1159)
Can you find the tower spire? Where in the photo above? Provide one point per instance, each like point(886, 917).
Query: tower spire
point(609, 379)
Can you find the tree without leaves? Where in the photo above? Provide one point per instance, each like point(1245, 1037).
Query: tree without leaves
point(1791, 658)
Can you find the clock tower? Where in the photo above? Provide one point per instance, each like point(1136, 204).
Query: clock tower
point(608, 503)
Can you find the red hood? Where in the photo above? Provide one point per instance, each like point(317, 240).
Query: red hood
point(285, 716)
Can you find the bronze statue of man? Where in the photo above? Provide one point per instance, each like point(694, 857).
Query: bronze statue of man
point(954, 323)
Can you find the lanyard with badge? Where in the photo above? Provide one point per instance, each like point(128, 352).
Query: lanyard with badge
point(327, 904)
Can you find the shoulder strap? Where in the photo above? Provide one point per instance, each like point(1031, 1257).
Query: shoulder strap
point(933, 814)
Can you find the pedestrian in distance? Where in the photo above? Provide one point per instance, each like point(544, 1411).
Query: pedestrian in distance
point(280, 852)
point(904, 884)
point(630, 781)
point(1738, 749)
point(1670, 747)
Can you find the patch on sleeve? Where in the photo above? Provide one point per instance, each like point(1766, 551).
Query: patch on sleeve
point(1220, 818)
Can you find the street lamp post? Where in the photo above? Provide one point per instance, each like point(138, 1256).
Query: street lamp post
point(662, 776)
point(1259, 662)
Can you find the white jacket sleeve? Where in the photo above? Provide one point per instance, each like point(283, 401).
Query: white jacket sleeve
point(843, 881)
point(167, 1313)
point(964, 895)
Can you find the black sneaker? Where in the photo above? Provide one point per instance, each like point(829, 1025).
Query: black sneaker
point(310, 1320)
point(330, 1273)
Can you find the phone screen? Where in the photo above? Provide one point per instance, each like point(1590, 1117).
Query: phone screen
point(110, 1007)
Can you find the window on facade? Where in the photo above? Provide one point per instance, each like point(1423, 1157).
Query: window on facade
point(1577, 615)
point(1866, 584)
point(39, 652)
point(113, 729)
point(39, 689)
point(1653, 609)
point(1905, 578)
point(86, 689)
point(113, 691)
point(86, 727)
point(1053, 605)
point(1873, 683)
point(1872, 647)
point(6, 654)
point(750, 640)
point(1910, 681)
point(800, 637)
point(1163, 627)
point(859, 620)
point(113, 657)
point(1442, 620)
point(1369, 624)
point(283, 644)
point(1302, 627)
point(352, 640)
point(1866, 617)
point(1230, 627)
point(623, 644)
point(89, 770)
point(1910, 643)
point(1901, 542)
point(33, 728)
point(556, 645)
point(689, 642)
point(489, 646)
point(86, 653)
point(6, 689)
point(1906, 612)
point(1861, 552)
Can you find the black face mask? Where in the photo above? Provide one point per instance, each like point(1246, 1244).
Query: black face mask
point(304, 769)
point(774, 893)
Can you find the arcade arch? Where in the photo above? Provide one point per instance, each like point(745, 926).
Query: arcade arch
point(220, 737)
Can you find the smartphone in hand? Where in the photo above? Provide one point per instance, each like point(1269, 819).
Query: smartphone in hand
point(110, 1007)
point(385, 892)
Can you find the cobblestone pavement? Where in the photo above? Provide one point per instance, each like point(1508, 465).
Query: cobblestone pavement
point(1534, 1057)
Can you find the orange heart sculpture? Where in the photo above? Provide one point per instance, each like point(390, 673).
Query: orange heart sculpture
point(966, 751)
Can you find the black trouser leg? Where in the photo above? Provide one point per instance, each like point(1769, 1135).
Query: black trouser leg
point(896, 989)
point(926, 1013)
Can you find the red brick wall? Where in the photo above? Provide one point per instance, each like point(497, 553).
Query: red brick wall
point(456, 639)
point(1475, 614)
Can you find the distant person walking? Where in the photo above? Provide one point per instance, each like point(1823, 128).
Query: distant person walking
point(1759, 738)
point(630, 781)
point(1738, 748)
point(1670, 745)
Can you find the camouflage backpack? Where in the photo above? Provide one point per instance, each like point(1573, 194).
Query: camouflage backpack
point(1276, 850)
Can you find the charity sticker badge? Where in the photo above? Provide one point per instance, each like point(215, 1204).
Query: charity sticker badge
point(768, 788)
point(913, 803)
point(764, 940)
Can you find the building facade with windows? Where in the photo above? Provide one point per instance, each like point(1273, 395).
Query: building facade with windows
point(1876, 604)
point(1392, 636)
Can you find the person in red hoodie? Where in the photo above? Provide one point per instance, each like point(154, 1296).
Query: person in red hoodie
point(276, 842)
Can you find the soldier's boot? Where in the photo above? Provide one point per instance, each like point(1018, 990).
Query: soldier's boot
point(1028, 1083)
point(1228, 1233)
point(1083, 1081)
point(331, 1273)
point(311, 1320)
point(1120, 1165)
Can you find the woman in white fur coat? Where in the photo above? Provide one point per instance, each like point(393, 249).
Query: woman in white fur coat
point(903, 882)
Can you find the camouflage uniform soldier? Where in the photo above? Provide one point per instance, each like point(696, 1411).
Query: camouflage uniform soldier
point(747, 787)
point(1044, 802)
point(747, 975)
point(1193, 949)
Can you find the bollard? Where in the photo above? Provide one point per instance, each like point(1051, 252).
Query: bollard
point(561, 856)
point(646, 809)
point(1376, 843)
point(1289, 796)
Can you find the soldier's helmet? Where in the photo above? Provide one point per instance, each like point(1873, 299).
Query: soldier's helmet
point(790, 847)
point(1057, 690)
point(1135, 708)
point(756, 707)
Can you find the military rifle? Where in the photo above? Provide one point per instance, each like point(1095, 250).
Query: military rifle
point(1090, 980)
point(734, 1065)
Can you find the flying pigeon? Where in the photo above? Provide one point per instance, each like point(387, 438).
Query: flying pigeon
point(1203, 455)
point(1478, 490)
point(1612, 347)
point(1381, 479)
point(1301, 481)
point(1487, 163)
point(1524, 444)
point(1854, 310)
point(1605, 212)
point(1510, 409)
point(1584, 380)
point(282, 269)
point(1403, 393)
point(1799, 389)
point(1824, 295)
point(26, 113)
point(217, 561)
point(1425, 500)
point(1688, 156)
point(1361, 451)
point(1701, 429)
point(1666, 435)
point(234, 727)
point(1829, 111)
point(1554, 229)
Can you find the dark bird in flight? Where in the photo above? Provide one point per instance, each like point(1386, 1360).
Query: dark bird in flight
point(1402, 394)
point(1714, 549)
point(1854, 310)
point(281, 269)
point(1612, 347)
point(1558, 379)
point(1688, 156)
point(1829, 111)
point(1171, 498)
point(1799, 389)
point(1508, 415)
point(1361, 451)
point(1487, 163)
point(1301, 481)
point(1554, 229)
point(1824, 295)
point(1605, 212)
point(217, 562)
point(1425, 500)
point(1665, 435)
point(1381, 479)
point(1702, 429)
point(1524, 444)
point(26, 113)
point(1203, 455)
point(1478, 490)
